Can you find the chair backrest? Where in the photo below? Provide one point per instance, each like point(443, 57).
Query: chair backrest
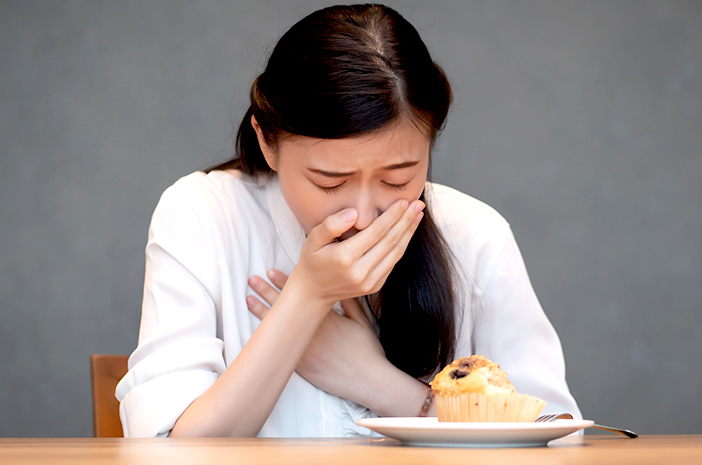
point(105, 373)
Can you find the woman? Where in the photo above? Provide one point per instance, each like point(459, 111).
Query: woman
point(328, 199)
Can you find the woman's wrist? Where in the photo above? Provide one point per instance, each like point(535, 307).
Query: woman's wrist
point(297, 291)
point(307, 291)
point(392, 392)
point(428, 403)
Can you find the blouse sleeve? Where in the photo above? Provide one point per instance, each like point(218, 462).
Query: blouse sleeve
point(179, 355)
point(512, 329)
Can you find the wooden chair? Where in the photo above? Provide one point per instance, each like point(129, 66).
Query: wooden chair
point(105, 373)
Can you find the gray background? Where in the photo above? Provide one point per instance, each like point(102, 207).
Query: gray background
point(580, 121)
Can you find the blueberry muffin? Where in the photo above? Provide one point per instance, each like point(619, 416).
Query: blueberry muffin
point(476, 389)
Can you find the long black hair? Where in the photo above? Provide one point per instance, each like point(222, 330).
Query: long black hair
point(346, 71)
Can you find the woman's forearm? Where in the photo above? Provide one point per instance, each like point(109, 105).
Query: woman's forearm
point(242, 398)
point(393, 393)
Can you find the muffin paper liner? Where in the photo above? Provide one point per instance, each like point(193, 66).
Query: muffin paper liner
point(489, 408)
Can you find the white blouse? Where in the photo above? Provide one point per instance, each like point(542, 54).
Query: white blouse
point(211, 232)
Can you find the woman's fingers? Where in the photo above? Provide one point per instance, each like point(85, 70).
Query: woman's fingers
point(331, 270)
point(381, 272)
point(262, 288)
point(377, 231)
point(382, 257)
point(278, 278)
point(332, 227)
point(401, 232)
point(256, 307)
point(265, 290)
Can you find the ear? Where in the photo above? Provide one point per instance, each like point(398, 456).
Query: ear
point(268, 154)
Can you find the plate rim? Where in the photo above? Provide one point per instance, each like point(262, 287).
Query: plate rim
point(433, 423)
point(502, 431)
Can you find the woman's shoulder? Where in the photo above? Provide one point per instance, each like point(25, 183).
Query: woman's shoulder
point(216, 199)
point(474, 231)
point(458, 213)
point(215, 190)
point(201, 185)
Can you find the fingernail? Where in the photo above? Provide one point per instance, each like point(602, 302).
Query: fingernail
point(254, 281)
point(349, 214)
point(418, 207)
point(404, 204)
point(271, 274)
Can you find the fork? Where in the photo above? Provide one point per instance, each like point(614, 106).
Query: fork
point(557, 416)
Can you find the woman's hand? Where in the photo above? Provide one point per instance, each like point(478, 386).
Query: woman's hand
point(330, 270)
point(344, 352)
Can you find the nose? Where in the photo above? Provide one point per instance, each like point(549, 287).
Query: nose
point(368, 211)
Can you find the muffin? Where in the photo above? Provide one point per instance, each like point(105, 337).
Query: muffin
point(476, 389)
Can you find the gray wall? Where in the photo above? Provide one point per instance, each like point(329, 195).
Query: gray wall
point(580, 121)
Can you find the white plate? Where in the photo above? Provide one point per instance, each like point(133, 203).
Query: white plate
point(429, 431)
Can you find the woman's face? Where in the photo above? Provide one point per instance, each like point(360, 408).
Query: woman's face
point(320, 177)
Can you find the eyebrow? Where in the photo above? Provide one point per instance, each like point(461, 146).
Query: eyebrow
point(342, 174)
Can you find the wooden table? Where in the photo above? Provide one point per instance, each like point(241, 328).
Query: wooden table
point(663, 449)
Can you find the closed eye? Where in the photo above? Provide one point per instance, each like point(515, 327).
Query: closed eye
point(331, 189)
point(399, 187)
